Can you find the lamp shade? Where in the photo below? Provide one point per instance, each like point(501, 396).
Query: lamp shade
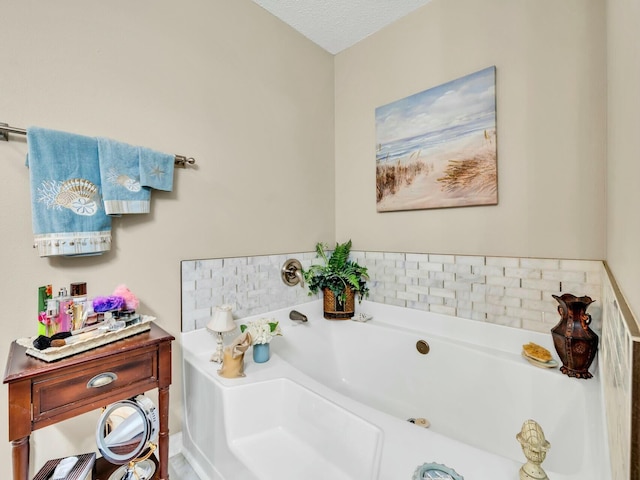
point(222, 320)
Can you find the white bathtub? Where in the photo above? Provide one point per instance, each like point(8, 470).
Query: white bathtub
point(333, 401)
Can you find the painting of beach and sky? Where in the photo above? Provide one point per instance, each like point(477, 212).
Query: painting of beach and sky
point(437, 148)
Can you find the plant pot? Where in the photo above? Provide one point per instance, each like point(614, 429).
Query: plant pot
point(334, 309)
point(261, 352)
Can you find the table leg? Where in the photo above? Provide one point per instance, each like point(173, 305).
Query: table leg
point(20, 458)
point(163, 441)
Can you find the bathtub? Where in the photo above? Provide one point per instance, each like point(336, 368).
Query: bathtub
point(334, 399)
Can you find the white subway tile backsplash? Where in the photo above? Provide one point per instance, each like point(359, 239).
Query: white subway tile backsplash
point(431, 266)
point(540, 263)
point(540, 284)
point(502, 261)
point(417, 273)
point(581, 266)
point(504, 281)
point(442, 292)
point(580, 289)
point(529, 293)
point(489, 308)
point(471, 314)
point(563, 276)
point(458, 286)
point(504, 320)
point(508, 290)
point(442, 309)
point(417, 257)
point(442, 276)
point(525, 314)
point(395, 301)
point(469, 260)
point(418, 289)
point(492, 270)
point(457, 268)
point(504, 301)
point(410, 296)
point(522, 272)
point(441, 258)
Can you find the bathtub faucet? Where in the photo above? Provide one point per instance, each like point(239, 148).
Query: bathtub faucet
point(297, 316)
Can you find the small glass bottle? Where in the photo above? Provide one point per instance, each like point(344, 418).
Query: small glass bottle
point(65, 313)
point(79, 295)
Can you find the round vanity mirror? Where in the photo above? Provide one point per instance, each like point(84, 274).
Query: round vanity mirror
point(126, 429)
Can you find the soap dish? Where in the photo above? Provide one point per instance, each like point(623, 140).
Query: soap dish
point(550, 364)
point(361, 317)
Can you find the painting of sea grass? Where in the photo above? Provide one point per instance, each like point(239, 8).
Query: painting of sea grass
point(437, 148)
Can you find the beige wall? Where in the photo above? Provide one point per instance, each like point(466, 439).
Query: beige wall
point(254, 102)
point(551, 108)
point(623, 160)
point(219, 80)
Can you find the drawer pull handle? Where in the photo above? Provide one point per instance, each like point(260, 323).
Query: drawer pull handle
point(102, 379)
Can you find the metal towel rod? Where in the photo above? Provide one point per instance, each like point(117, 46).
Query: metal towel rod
point(180, 161)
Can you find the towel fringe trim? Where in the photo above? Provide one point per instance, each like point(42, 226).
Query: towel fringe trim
point(72, 243)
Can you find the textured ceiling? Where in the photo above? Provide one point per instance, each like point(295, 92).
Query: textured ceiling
point(338, 24)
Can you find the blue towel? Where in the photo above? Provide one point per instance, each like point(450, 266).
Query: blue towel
point(156, 169)
point(120, 173)
point(128, 173)
point(67, 212)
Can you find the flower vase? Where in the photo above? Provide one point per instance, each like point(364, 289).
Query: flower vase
point(574, 341)
point(261, 352)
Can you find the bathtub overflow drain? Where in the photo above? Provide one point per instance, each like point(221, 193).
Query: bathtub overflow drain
point(422, 347)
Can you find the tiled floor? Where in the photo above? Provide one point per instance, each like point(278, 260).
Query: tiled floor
point(179, 469)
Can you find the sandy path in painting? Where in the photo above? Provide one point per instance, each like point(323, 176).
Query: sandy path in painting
point(426, 192)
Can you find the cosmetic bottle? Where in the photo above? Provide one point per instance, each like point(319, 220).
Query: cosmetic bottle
point(52, 314)
point(79, 296)
point(65, 315)
point(44, 294)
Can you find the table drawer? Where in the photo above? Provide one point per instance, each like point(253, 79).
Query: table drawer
point(92, 381)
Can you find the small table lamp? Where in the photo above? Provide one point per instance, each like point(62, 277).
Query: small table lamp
point(221, 322)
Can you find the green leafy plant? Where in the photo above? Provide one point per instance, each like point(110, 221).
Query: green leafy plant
point(336, 272)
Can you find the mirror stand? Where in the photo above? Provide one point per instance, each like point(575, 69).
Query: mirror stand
point(141, 468)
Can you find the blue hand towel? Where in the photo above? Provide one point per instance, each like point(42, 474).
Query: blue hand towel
point(128, 173)
point(156, 169)
point(67, 212)
point(120, 173)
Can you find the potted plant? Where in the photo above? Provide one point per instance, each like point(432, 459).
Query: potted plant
point(339, 279)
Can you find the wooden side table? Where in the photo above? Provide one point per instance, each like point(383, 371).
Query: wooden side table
point(42, 394)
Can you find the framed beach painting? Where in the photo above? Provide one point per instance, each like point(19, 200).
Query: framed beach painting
point(437, 148)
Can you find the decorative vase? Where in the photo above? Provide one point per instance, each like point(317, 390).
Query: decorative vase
point(574, 341)
point(335, 308)
point(261, 352)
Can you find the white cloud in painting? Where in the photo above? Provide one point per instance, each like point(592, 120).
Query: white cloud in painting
point(454, 103)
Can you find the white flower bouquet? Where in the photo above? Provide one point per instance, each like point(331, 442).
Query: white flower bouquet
point(262, 330)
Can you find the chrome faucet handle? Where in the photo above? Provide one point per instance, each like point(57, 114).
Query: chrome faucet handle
point(296, 316)
point(292, 273)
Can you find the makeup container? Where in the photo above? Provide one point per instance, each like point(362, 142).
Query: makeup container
point(65, 314)
point(44, 294)
point(51, 315)
point(79, 296)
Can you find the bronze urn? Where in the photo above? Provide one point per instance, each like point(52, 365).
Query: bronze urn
point(574, 341)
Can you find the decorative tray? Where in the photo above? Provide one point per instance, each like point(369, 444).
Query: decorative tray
point(87, 343)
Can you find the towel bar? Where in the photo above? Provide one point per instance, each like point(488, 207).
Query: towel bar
point(180, 161)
